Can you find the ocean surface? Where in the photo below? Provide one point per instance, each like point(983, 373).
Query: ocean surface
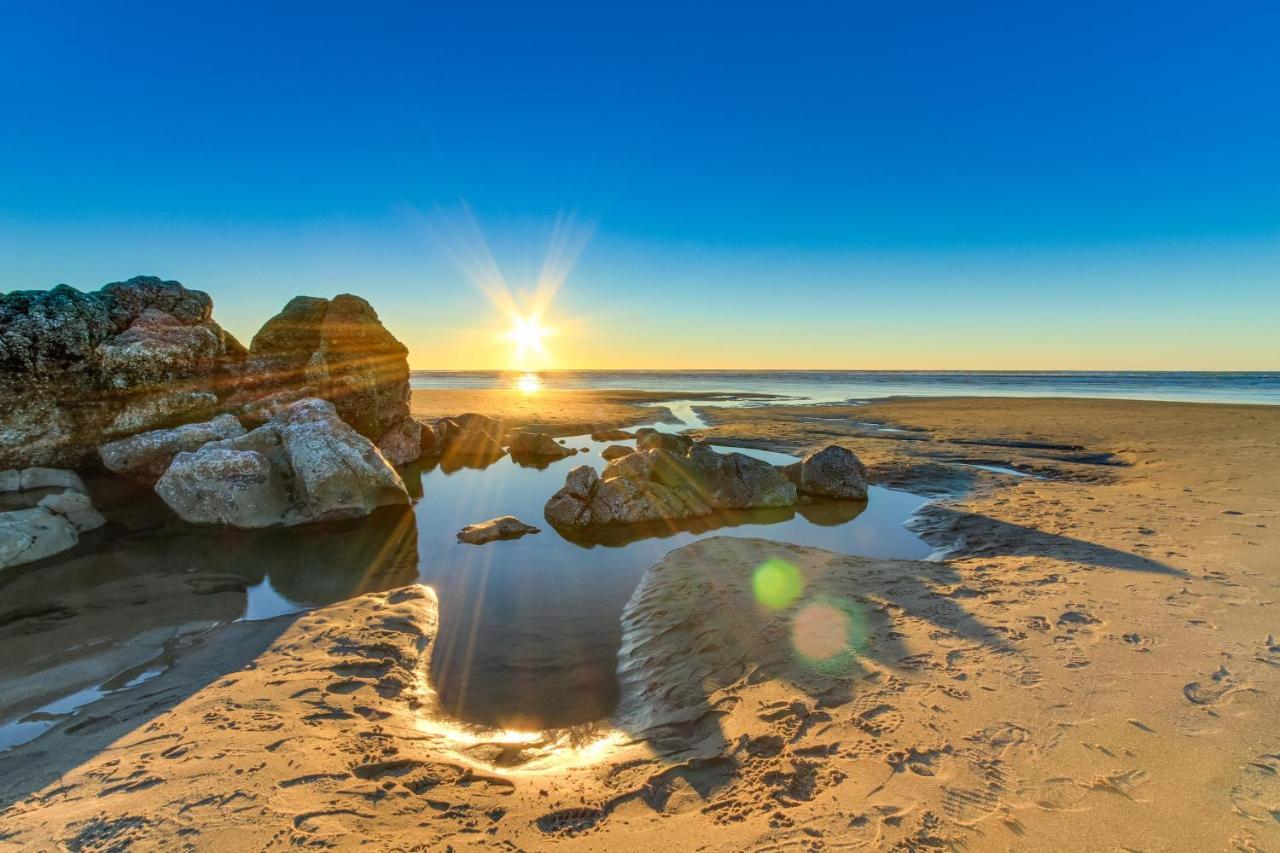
point(831, 386)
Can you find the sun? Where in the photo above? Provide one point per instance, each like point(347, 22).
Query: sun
point(528, 335)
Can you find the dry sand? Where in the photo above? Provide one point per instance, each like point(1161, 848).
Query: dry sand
point(1094, 666)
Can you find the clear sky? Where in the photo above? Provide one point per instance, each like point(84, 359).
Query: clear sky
point(879, 185)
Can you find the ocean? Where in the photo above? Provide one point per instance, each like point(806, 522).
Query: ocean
point(831, 386)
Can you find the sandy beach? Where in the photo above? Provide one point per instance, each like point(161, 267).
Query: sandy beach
point(1093, 658)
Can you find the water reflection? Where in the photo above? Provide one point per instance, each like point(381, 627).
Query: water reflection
point(529, 629)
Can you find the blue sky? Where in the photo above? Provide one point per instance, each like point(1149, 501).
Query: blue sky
point(1012, 185)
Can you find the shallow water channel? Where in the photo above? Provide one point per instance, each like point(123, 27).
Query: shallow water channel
point(529, 629)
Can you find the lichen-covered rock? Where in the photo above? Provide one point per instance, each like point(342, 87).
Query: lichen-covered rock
point(832, 472)
point(333, 349)
point(506, 527)
point(79, 367)
point(147, 455)
point(537, 444)
point(307, 465)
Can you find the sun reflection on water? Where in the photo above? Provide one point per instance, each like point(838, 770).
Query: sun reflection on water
point(529, 383)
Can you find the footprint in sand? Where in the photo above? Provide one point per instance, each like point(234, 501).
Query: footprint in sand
point(1257, 795)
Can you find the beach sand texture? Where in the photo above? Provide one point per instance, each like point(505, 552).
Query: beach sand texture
point(1094, 665)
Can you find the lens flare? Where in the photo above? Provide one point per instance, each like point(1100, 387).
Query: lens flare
point(529, 383)
point(829, 634)
point(777, 583)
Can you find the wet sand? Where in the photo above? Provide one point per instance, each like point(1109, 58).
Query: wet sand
point(1094, 664)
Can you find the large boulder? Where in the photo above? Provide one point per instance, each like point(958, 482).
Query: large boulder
point(306, 466)
point(77, 367)
point(832, 472)
point(147, 455)
point(337, 350)
point(658, 484)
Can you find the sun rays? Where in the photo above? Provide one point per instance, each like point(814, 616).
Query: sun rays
point(525, 324)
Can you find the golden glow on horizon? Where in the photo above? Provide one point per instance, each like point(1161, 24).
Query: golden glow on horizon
point(529, 383)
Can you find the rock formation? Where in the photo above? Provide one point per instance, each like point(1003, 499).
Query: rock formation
point(307, 465)
point(77, 368)
point(336, 350)
point(147, 455)
point(657, 483)
point(58, 512)
point(505, 527)
point(833, 472)
point(616, 451)
point(468, 439)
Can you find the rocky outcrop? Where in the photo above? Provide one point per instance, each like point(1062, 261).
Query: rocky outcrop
point(616, 451)
point(306, 466)
point(506, 527)
point(833, 472)
point(538, 445)
point(658, 484)
point(147, 455)
point(76, 368)
point(59, 511)
point(337, 350)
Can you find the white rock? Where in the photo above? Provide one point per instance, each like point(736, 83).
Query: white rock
point(51, 478)
point(27, 535)
point(76, 508)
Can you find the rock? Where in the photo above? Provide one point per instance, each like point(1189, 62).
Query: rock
point(537, 444)
point(237, 488)
point(10, 481)
point(469, 439)
point(429, 441)
point(616, 451)
point(402, 443)
point(337, 350)
point(147, 455)
point(307, 465)
point(76, 508)
point(654, 484)
point(648, 438)
point(506, 527)
point(833, 472)
point(77, 367)
point(27, 535)
point(611, 435)
point(51, 478)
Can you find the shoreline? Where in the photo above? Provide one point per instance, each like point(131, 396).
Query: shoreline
point(1106, 625)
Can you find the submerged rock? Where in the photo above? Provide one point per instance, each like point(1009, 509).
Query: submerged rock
point(658, 484)
point(537, 444)
point(147, 455)
point(306, 466)
point(506, 527)
point(833, 472)
point(77, 367)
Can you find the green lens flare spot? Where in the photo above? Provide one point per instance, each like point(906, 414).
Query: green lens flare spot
point(777, 583)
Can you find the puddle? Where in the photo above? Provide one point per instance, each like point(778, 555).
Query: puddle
point(529, 629)
point(1001, 469)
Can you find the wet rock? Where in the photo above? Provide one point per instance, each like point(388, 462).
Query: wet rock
point(506, 527)
point(648, 438)
point(147, 455)
point(658, 484)
point(306, 466)
point(537, 444)
point(616, 451)
point(336, 350)
point(611, 435)
point(469, 439)
point(833, 472)
point(77, 367)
